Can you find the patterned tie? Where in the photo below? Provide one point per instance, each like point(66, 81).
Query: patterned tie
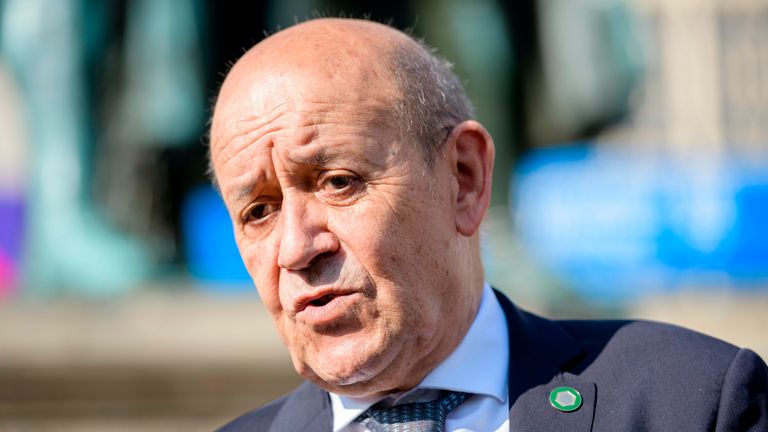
point(412, 417)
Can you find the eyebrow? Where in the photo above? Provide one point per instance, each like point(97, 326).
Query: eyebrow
point(245, 191)
point(317, 158)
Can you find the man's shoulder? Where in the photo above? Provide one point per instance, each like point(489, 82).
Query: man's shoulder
point(257, 419)
point(660, 357)
point(614, 350)
point(300, 409)
point(650, 372)
point(648, 338)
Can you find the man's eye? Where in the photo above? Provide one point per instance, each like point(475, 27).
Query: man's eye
point(260, 211)
point(340, 182)
point(341, 187)
point(336, 184)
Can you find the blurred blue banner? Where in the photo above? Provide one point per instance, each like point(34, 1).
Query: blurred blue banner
point(210, 247)
point(618, 224)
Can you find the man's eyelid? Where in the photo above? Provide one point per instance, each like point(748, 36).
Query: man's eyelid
point(326, 176)
point(354, 188)
point(245, 213)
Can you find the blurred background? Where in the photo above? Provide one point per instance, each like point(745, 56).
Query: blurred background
point(631, 181)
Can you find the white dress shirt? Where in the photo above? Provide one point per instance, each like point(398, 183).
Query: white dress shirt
point(478, 366)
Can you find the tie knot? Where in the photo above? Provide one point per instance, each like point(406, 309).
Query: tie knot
point(413, 417)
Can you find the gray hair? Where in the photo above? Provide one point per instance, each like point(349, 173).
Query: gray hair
point(432, 100)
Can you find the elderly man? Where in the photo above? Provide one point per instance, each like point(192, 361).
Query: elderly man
point(357, 181)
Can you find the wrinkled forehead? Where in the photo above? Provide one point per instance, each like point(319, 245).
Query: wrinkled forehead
point(301, 90)
point(310, 83)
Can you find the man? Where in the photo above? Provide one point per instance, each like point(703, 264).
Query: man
point(357, 181)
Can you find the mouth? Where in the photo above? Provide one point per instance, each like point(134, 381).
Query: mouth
point(319, 299)
point(326, 307)
point(322, 301)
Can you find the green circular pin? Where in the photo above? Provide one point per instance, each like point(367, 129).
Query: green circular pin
point(565, 399)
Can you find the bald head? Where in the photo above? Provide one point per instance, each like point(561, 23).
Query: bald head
point(337, 44)
point(352, 60)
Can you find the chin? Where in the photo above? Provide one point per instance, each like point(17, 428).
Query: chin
point(361, 376)
point(356, 378)
point(353, 374)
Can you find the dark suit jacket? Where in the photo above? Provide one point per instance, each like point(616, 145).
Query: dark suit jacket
point(632, 376)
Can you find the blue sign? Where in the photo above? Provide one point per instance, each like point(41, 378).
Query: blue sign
point(210, 247)
point(619, 224)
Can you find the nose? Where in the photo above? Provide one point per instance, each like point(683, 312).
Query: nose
point(305, 235)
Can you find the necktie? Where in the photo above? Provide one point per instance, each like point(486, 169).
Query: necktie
point(412, 417)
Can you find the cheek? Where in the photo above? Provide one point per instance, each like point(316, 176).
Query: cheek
point(392, 244)
point(260, 260)
point(365, 235)
point(388, 235)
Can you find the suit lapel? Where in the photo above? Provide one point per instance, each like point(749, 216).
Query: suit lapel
point(541, 352)
point(533, 412)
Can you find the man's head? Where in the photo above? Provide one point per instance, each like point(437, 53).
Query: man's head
point(356, 182)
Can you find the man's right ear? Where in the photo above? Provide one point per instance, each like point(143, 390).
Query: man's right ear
point(471, 152)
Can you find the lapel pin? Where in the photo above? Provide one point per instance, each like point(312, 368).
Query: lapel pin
point(566, 399)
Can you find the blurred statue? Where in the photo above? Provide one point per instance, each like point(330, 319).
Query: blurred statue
point(71, 246)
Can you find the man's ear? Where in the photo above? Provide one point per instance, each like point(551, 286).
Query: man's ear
point(471, 154)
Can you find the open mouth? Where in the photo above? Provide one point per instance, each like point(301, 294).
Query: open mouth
point(328, 308)
point(322, 301)
point(325, 301)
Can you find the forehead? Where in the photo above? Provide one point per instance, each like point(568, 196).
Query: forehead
point(295, 111)
point(258, 91)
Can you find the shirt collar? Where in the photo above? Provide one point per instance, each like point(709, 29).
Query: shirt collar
point(477, 366)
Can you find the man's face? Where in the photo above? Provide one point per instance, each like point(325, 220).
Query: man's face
point(347, 234)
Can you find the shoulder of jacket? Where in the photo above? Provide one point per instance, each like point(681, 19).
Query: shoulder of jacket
point(258, 419)
point(639, 341)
